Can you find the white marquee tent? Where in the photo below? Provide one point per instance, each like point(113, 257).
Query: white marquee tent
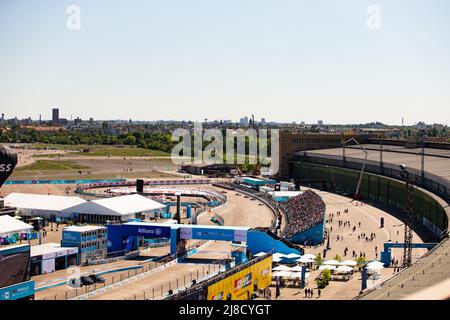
point(125, 207)
point(40, 204)
point(10, 225)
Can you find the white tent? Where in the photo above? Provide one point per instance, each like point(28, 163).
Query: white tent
point(9, 225)
point(375, 264)
point(124, 206)
point(344, 269)
point(310, 256)
point(40, 204)
point(327, 267)
point(297, 269)
point(292, 255)
point(305, 259)
point(275, 259)
point(331, 262)
point(297, 275)
point(348, 263)
point(281, 268)
point(281, 274)
point(260, 254)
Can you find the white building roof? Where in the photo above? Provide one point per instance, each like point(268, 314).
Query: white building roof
point(41, 201)
point(117, 206)
point(9, 224)
point(51, 249)
point(83, 228)
point(286, 193)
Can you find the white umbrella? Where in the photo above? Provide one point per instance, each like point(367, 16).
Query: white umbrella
point(375, 264)
point(304, 259)
point(260, 254)
point(297, 268)
point(276, 259)
point(331, 262)
point(279, 255)
point(281, 268)
point(309, 256)
point(295, 275)
point(344, 269)
point(281, 274)
point(292, 255)
point(375, 267)
point(348, 263)
point(327, 267)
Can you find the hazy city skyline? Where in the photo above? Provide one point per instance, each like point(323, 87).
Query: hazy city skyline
point(290, 61)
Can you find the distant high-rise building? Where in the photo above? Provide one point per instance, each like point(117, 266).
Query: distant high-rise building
point(55, 115)
point(263, 120)
point(320, 123)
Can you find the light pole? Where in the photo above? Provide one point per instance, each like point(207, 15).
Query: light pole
point(364, 162)
point(409, 197)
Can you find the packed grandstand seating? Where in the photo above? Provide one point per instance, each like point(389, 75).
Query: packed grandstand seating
point(303, 212)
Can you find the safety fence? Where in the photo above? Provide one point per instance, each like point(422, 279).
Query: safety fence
point(181, 282)
point(117, 279)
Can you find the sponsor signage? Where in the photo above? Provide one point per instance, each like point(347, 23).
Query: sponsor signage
point(240, 235)
point(61, 253)
point(186, 233)
point(71, 236)
point(247, 280)
point(153, 231)
point(265, 272)
point(50, 255)
point(219, 296)
point(17, 291)
point(72, 251)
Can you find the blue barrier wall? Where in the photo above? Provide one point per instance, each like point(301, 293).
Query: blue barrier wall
point(313, 235)
point(64, 181)
point(17, 291)
point(260, 241)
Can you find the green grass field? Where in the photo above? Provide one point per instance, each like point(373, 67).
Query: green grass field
point(52, 165)
point(123, 152)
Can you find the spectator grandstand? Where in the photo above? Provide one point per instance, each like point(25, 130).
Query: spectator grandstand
point(303, 212)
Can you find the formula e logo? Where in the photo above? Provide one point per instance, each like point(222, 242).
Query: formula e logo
point(109, 244)
point(158, 232)
point(5, 167)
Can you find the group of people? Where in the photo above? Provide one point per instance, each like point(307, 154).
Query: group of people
point(304, 211)
point(309, 293)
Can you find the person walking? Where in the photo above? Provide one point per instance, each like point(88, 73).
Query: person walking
point(318, 293)
point(312, 293)
point(306, 292)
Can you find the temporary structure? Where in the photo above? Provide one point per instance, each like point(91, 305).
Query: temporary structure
point(304, 259)
point(281, 274)
point(281, 268)
point(348, 263)
point(331, 262)
point(344, 269)
point(327, 267)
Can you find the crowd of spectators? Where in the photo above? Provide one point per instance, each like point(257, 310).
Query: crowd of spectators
point(303, 211)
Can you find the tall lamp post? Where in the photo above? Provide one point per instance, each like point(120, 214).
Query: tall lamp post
point(408, 235)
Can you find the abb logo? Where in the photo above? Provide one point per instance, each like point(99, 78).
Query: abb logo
point(5, 167)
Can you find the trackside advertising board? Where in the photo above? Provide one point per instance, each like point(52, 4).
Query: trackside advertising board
point(240, 285)
point(218, 233)
point(17, 291)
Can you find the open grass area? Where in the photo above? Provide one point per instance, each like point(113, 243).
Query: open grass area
point(123, 152)
point(52, 165)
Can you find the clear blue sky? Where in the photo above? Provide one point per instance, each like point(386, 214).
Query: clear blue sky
point(285, 60)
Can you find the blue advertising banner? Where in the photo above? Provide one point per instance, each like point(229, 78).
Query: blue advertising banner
point(71, 236)
point(17, 291)
point(64, 181)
